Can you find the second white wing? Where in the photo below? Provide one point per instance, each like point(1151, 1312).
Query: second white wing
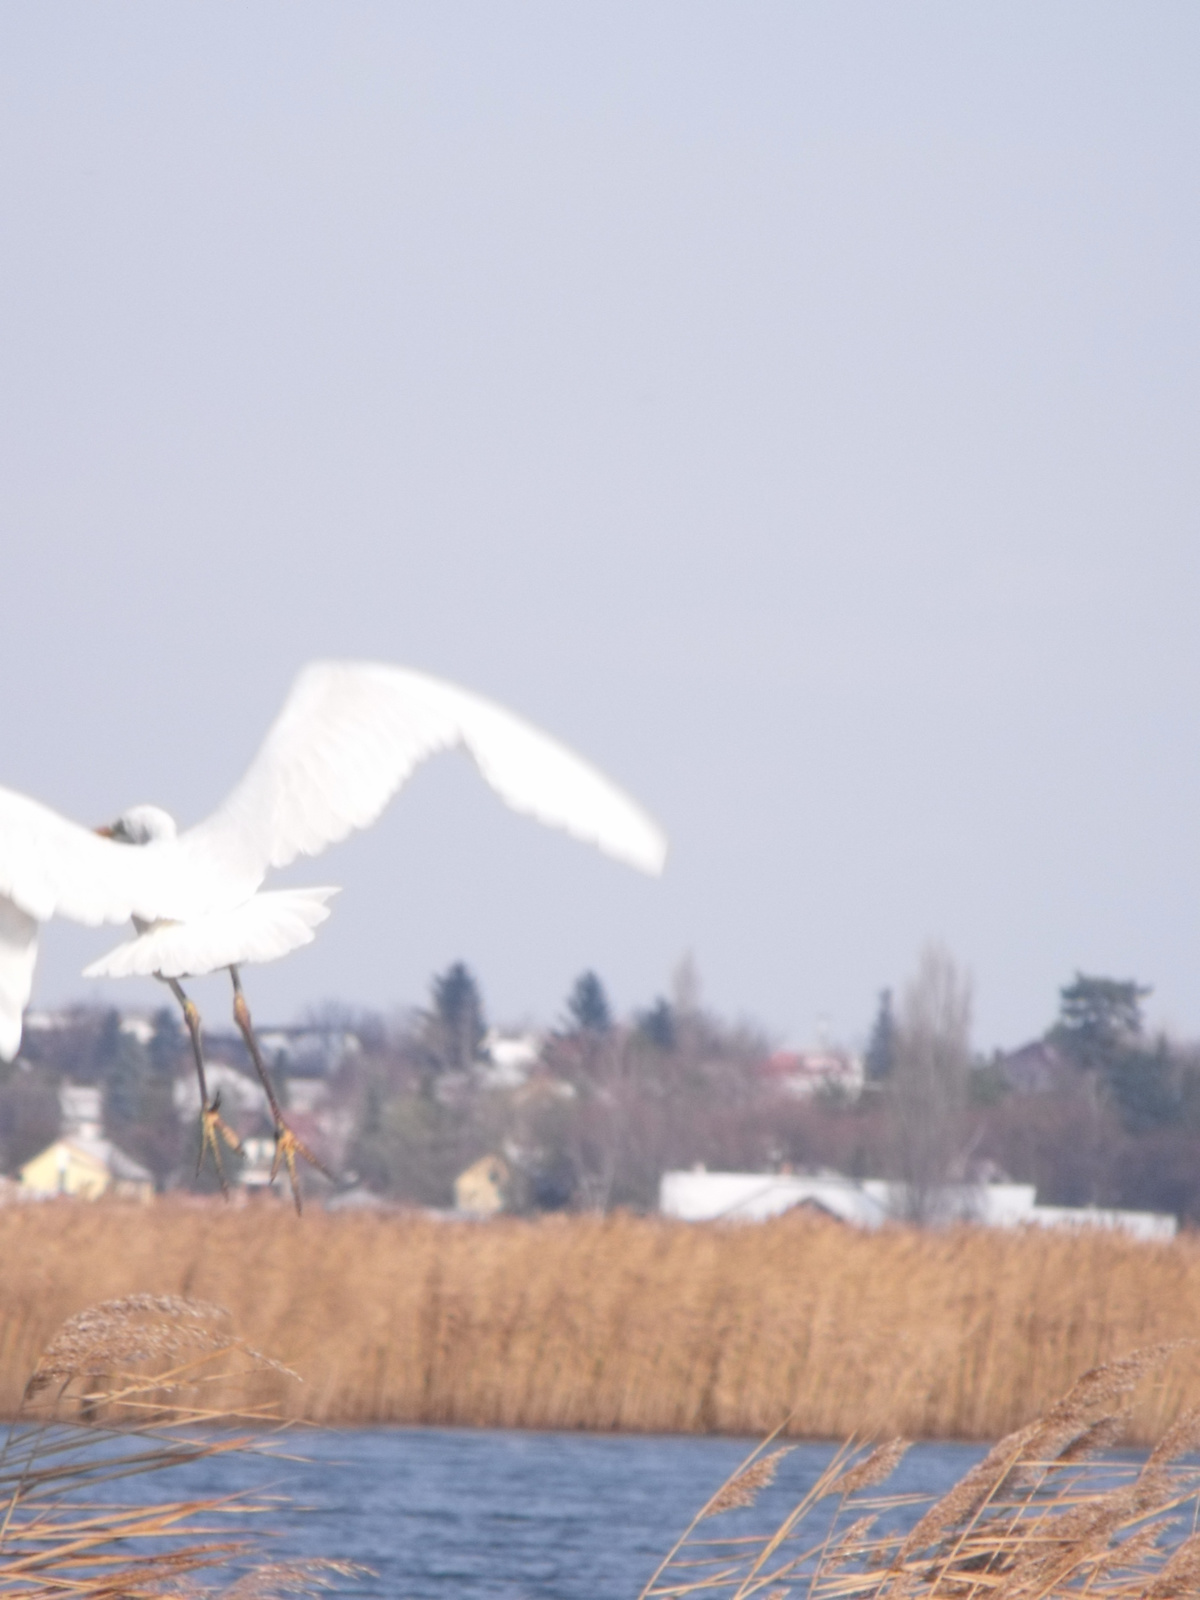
point(351, 733)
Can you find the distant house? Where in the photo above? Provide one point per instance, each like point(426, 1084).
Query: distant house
point(804, 1073)
point(308, 1050)
point(241, 1095)
point(137, 1027)
point(1035, 1068)
point(259, 1159)
point(508, 1059)
point(700, 1196)
point(85, 1168)
point(479, 1191)
point(80, 1111)
point(81, 1161)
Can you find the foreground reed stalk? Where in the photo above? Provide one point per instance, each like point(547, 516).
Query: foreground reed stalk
point(125, 1390)
point(625, 1322)
point(1046, 1515)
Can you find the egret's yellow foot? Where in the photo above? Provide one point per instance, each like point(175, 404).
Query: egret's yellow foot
point(287, 1147)
point(214, 1128)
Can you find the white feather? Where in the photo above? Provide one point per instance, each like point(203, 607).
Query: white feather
point(18, 956)
point(268, 926)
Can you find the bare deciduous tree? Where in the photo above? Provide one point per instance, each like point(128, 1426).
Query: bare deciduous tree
point(929, 1083)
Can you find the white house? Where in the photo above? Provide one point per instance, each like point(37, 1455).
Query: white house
point(508, 1058)
point(240, 1095)
point(700, 1196)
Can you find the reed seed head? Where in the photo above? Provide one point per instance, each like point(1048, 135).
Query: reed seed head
point(745, 1487)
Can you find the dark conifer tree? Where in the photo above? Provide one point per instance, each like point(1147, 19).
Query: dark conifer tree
point(1100, 1028)
point(456, 1022)
point(881, 1049)
point(587, 1005)
point(657, 1025)
point(1098, 1019)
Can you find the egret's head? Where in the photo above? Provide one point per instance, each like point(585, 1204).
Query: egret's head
point(141, 825)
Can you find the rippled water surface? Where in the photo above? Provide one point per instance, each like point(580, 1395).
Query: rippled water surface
point(440, 1512)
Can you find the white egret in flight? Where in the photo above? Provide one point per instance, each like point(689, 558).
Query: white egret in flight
point(347, 738)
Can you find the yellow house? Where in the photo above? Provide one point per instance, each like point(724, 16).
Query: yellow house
point(86, 1168)
point(479, 1191)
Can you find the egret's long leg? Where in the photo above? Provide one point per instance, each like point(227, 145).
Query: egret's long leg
point(287, 1145)
point(213, 1126)
point(192, 1017)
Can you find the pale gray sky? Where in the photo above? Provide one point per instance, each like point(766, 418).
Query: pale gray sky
point(793, 406)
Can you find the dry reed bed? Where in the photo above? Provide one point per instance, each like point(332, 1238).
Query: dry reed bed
point(625, 1322)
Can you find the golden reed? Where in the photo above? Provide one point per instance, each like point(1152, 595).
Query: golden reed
point(626, 1322)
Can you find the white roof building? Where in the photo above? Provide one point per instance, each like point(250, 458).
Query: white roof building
point(508, 1058)
point(240, 1095)
point(700, 1196)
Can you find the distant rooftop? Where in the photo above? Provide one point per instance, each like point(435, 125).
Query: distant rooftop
point(701, 1196)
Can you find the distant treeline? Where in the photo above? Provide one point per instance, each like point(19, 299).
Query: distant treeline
point(1095, 1111)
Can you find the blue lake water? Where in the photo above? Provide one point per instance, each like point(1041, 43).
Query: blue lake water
point(513, 1516)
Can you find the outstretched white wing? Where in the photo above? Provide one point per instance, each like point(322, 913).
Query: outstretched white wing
point(18, 956)
point(50, 866)
point(351, 733)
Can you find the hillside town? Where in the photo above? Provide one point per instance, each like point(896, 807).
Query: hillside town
point(1096, 1122)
